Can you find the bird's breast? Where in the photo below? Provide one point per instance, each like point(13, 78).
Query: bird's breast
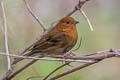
point(71, 39)
point(72, 33)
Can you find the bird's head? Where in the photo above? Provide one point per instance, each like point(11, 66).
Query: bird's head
point(67, 23)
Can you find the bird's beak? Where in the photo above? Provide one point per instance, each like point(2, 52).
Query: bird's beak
point(75, 22)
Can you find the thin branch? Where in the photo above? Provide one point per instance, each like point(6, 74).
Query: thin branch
point(72, 70)
point(87, 19)
point(97, 56)
point(5, 33)
point(19, 70)
point(70, 13)
point(77, 7)
point(33, 14)
point(33, 77)
point(48, 59)
point(59, 67)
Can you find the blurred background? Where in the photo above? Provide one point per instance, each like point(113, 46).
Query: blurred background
point(24, 29)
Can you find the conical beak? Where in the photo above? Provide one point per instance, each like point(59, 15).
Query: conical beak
point(75, 22)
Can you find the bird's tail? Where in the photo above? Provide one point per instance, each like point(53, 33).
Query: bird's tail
point(16, 60)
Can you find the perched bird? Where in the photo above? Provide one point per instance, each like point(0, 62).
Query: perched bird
point(57, 40)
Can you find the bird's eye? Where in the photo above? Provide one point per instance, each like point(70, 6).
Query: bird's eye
point(67, 22)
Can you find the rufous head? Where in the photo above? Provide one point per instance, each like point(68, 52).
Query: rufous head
point(67, 23)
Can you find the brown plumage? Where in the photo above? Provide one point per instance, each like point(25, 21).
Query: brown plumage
point(58, 40)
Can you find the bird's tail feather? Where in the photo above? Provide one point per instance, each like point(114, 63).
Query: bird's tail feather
point(16, 60)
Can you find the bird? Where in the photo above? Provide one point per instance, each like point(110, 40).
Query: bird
point(58, 40)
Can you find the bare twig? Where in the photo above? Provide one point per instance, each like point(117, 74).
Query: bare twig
point(33, 14)
point(98, 58)
point(70, 13)
point(77, 7)
point(87, 19)
point(47, 59)
point(59, 67)
point(72, 70)
point(33, 77)
point(71, 58)
point(21, 69)
point(5, 33)
point(95, 57)
point(56, 69)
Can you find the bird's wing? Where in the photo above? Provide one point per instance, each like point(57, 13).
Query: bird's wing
point(49, 43)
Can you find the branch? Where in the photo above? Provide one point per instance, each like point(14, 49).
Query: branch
point(33, 14)
point(72, 70)
point(87, 19)
point(95, 57)
point(47, 59)
point(5, 33)
point(20, 69)
point(59, 67)
point(98, 56)
point(77, 7)
point(107, 54)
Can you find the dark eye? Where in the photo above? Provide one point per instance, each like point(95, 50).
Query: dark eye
point(67, 22)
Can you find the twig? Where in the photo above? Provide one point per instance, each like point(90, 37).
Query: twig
point(70, 13)
point(72, 70)
point(94, 56)
point(59, 67)
point(33, 14)
point(48, 59)
point(98, 58)
point(31, 78)
point(5, 33)
point(21, 69)
point(77, 7)
point(87, 19)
